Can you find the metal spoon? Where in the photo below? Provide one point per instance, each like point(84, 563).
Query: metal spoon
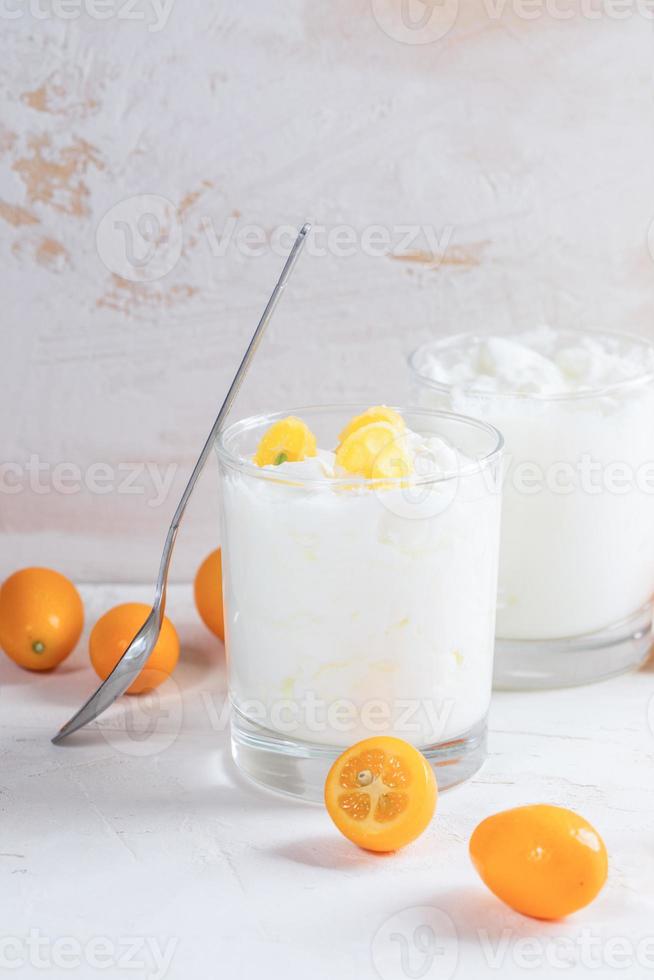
point(132, 661)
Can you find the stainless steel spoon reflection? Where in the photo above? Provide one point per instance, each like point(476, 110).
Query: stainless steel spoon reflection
point(134, 658)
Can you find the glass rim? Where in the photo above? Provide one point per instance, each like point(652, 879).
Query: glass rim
point(243, 465)
point(469, 388)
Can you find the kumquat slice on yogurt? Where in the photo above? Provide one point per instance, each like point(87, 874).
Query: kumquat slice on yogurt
point(289, 440)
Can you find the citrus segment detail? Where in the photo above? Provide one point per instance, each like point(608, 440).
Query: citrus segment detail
point(381, 793)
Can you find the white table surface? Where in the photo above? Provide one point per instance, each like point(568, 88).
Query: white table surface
point(121, 854)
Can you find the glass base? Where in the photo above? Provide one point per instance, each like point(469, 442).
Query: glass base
point(299, 769)
point(530, 665)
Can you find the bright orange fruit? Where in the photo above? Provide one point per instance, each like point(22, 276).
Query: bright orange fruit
point(378, 413)
point(381, 793)
point(544, 861)
point(288, 441)
point(41, 618)
point(374, 451)
point(114, 632)
point(208, 591)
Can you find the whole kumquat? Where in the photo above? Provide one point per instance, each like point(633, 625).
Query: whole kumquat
point(114, 632)
point(41, 618)
point(544, 861)
point(208, 592)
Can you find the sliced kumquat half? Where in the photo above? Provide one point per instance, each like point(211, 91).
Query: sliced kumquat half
point(288, 441)
point(375, 451)
point(381, 793)
point(378, 413)
point(393, 461)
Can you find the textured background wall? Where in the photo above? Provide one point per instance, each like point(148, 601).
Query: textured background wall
point(505, 151)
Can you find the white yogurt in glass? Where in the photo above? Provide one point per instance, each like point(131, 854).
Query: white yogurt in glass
point(577, 413)
point(355, 609)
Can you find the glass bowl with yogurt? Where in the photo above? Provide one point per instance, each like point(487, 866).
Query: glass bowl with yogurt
point(577, 554)
point(359, 583)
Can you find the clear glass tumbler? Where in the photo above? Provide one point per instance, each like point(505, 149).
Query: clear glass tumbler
point(354, 610)
point(577, 552)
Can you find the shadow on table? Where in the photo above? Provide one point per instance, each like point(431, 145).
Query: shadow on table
point(482, 918)
point(12, 674)
point(201, 667)
point(331, 852)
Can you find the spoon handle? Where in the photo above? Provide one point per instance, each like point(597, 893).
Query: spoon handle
point(131, 663)
point(224, 410)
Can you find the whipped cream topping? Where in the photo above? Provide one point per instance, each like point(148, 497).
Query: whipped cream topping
point(431, 457)
point(576, 552)
point(539, 361)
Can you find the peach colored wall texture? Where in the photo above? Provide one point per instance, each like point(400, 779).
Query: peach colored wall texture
point(467, 165)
